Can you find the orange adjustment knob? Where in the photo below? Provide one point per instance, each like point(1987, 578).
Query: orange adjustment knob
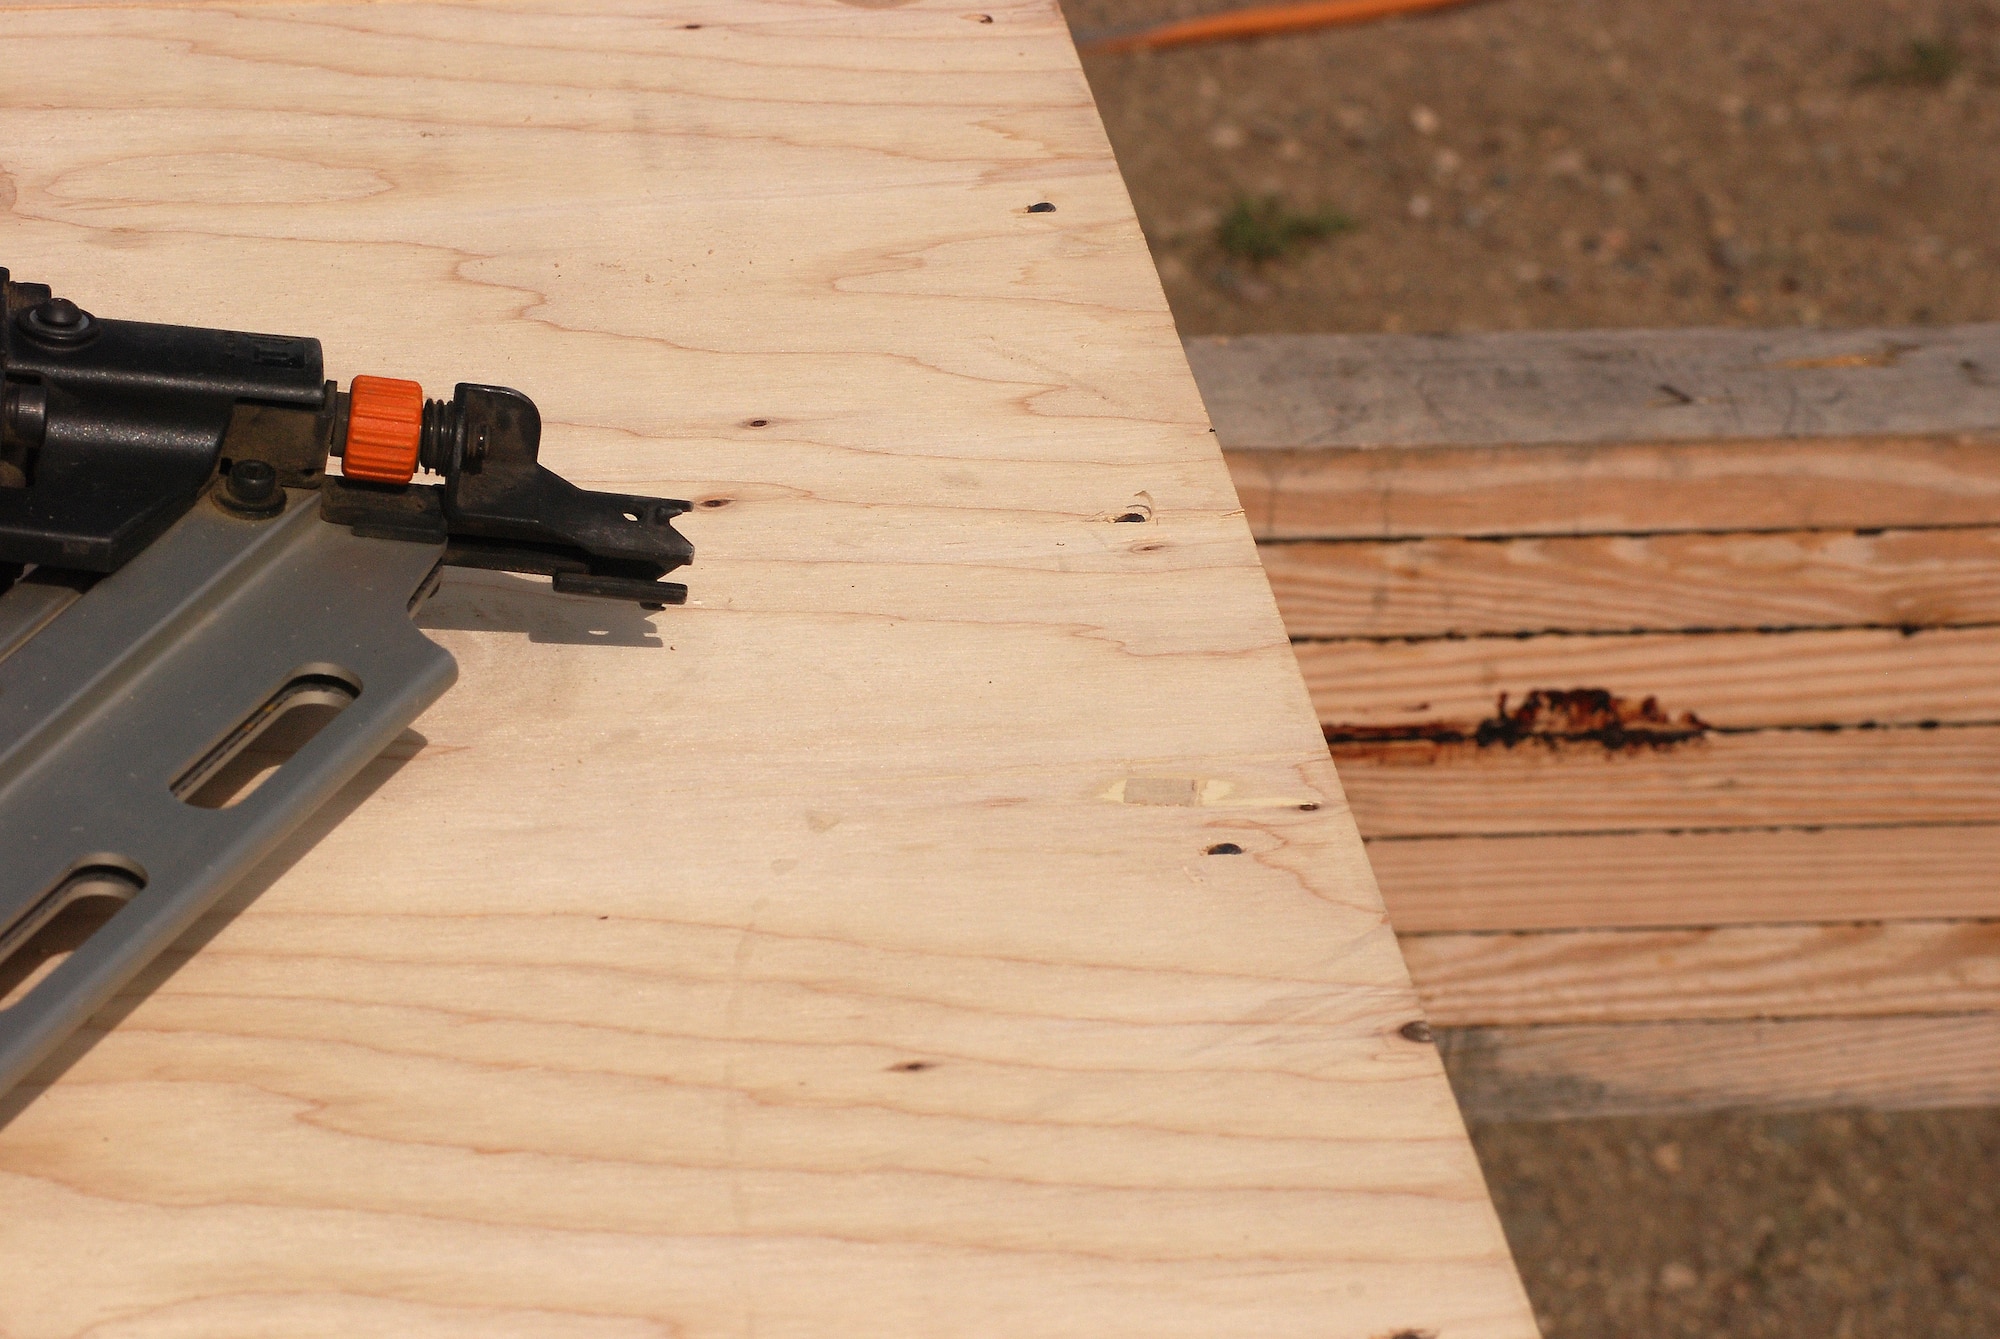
point(385, 425)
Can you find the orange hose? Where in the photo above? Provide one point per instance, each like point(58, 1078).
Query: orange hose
point(1262, 20)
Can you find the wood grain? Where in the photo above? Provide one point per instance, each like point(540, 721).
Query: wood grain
point(1659, 583)
point(1845, 778)
point(1708, 519)
point(1732, 680)
point(1646, 487)
point(1707, 973)
point(1668, 879)
point(839, 954)
point(1559, 1073)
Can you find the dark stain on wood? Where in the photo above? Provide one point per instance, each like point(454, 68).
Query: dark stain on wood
point(1551, 717)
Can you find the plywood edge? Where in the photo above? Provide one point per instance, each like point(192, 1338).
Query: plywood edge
point(1566, 1073)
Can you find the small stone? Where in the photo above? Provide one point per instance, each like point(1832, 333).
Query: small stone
point(1424, 120)
point(1730, 253)
point(1420, 206)
point(1667, 1157)
point(1226, 136)
point(1676, 1277)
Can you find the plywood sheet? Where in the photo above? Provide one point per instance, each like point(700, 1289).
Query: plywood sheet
point(845, 953)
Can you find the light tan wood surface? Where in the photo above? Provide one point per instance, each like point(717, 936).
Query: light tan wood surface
point(1747, 680)
point(1708, 973)
point(843, 954)
point(1618, 488)
point(1789, 581)
point(1758, 779)
point(1630, 880)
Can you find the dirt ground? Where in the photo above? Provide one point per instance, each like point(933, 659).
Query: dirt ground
point(1564, 163)
point(1570, 163)
point(1825, 1225)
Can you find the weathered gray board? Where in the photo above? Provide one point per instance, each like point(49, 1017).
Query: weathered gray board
point(1291, 391)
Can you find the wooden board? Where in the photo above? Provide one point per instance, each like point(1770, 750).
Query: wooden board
point(1612, 634)
point(843, 953)
point(1707, 973)
point(1559, 1073)
point(1730, 877)
point(1760, 779)
point(1598, 386)
point(1607, 431)
point(1620, 488)
point(1787, 581)
point(1744, 681)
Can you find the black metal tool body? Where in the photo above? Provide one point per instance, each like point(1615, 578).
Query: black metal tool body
point(189, 591)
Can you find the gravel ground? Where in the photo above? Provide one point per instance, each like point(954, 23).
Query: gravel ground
point(1573, 163)
point(1552, 163)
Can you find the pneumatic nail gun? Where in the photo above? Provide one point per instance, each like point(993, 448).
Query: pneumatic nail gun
point(190, 585)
